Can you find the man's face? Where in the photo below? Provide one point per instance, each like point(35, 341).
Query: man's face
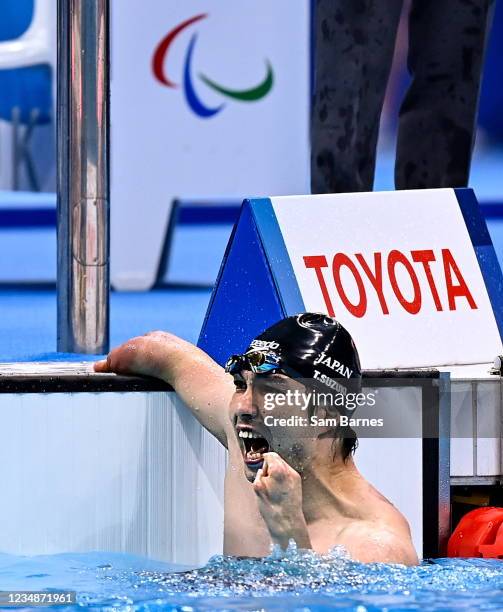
point(256, 411)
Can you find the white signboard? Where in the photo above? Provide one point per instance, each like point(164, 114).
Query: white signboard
point(398, 269)
point(210, 100)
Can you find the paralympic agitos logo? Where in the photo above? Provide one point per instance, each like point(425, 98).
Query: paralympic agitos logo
point(192, 97)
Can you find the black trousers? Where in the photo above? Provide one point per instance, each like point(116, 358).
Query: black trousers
point(354, 44)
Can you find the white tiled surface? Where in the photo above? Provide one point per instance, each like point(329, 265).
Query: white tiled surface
point(489, 415)
point(109, 471)
point(462, 460)
point(476, 408)
point(48, 368)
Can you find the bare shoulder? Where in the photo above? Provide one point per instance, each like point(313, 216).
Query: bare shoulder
point(377, 542)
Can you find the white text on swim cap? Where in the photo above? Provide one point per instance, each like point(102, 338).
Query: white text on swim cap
point(264, 344)
point(331, 383)
point(334, 365)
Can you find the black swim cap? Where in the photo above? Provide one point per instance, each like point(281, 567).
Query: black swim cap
point(315, 346)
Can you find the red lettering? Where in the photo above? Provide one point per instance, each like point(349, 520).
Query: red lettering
point(455, 283)
point(374, 277)
point(425, 258)
point(357, 310)
point(318, 262)
point(455, 291)
point(394, 258)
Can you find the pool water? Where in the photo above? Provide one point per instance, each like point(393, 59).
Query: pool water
point(295, 580)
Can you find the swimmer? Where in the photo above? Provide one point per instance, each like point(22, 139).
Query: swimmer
point(283, 483)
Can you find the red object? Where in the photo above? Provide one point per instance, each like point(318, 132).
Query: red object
point(455, 284)
point(478, 534)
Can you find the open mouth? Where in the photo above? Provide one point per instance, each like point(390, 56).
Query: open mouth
point(253, 446)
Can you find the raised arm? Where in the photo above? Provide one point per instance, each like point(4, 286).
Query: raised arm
point(200, 382)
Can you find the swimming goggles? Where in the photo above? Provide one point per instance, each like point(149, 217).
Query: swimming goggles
point(257, 362)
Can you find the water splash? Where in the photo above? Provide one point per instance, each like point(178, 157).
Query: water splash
point(285, 580)
point(309, 581)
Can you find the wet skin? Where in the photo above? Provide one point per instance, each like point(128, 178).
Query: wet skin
point(281, 483)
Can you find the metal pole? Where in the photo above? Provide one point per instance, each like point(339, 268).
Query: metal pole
point(83, 176)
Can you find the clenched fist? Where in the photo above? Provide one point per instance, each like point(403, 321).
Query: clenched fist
point(279, 492)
